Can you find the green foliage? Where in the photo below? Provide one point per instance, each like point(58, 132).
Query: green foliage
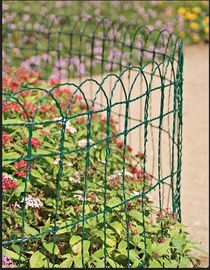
point(77, 216)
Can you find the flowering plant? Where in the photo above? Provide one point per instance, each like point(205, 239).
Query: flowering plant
point(76, 200)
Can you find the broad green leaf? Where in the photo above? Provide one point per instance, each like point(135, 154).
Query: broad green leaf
point(117, 226)
point(178, 241)
point(155, 264)
point(11, 121)
point(18, 148)
point(49, 160)
point(75, 243)
point(36, 260)
point(112, 263)
point(77, 262)
point(122, 246)
point(113, 202)
point(75, 239)
point(99, 263)
point(161, 248)
point(13, 255)
point(36, 174)
point(67, 263)
point(30, 230)
point(98, 253)
point(49, 247)
point(46, 226)
point(12, 155)
point(184, 262)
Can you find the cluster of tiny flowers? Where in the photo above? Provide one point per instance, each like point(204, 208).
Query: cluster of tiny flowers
point(7, 262)
point(83, 143)
point(32, 202)
point(20, 168)
point(57, 160)
point(70, 129)
point(75, 179)
point(6, 138)
point(92, 196)
point(8, 183)
point(118, 174)
point(35, 142)
point(44, 132)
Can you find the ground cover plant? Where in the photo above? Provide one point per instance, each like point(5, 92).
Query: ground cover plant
point(68, 176)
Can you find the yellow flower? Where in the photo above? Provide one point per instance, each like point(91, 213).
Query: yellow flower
point(195, 37)
point(206, 19)
point(190, 16)
point(181, 11)
point(194, 26)
point(206, 30)
point(196, 10)
point(182, 34)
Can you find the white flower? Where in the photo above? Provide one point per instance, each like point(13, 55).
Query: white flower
point(79, 197)
point(128, 174)
point(74, 180)
point(83, 143)
point(32, 202)
point(135, 193)
point(56, 162)
point(57, 118)
point(117, 174)
point(71, 129)
point(69, 164)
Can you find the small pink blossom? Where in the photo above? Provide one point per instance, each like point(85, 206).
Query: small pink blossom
point(7, 262)
point(15, 205)
point(70, 129)
point(32, 202)
point(83, 143)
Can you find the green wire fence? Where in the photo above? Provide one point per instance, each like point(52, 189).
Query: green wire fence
point(112, 155)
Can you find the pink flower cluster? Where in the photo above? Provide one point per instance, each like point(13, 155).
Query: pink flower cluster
point(20, 168)
point(7, 262)
point(6, 138)
point(35, 142)
point(8, 183)
point(32, 202)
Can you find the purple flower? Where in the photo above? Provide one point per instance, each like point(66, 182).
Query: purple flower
point(46, 57)
point(5, 7)
point(26, 17)
point(81, 69)
point(32, 202)
point(150, 27)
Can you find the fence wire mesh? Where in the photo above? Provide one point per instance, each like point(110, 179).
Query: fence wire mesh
point(98, 141)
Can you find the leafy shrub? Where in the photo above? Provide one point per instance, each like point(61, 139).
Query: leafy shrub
point(73, 194)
